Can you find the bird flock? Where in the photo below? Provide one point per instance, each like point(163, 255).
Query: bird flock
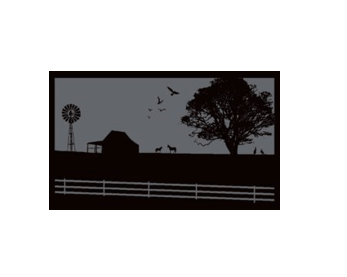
point(160, 101)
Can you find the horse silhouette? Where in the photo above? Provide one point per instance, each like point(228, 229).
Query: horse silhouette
point(158, 150)
point(172, 149)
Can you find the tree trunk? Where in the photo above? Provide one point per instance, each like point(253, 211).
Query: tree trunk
point(232, 146)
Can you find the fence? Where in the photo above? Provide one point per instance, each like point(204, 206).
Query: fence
point(165, 190)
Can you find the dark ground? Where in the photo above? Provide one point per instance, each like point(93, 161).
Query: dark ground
point(166, 168)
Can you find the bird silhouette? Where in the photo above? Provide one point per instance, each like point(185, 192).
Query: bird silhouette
point(150, 110)
point(160, 101)
point(262, 152)
point(148, 116)
point(172, 91)
point(255, 151)
point(162, 110)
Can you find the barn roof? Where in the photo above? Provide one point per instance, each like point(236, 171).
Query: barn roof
point(113, 136)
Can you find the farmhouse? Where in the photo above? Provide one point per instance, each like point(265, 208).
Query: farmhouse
point(115, 143)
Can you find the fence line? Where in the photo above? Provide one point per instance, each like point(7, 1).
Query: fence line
point(159, 184)
point(149, 190)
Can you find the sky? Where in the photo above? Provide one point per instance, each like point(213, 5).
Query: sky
point(122, 104)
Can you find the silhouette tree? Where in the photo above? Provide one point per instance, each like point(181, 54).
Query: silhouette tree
point(230, 110)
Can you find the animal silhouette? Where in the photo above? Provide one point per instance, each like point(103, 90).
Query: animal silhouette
point(158, 150)
point(160, 101)
point(172, 91)
point(161, 110)
point(148, 116)
point(150, 110)
point(255, 151)
point(172, 149)
point(262, 152)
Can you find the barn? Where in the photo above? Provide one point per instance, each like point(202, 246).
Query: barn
point(115, 143)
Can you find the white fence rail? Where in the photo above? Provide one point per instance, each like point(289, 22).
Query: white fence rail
point(165, 190)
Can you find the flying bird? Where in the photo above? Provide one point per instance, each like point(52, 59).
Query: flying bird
point(162, 110)
point(150, 110)
point(160, 101)
point(172, 91)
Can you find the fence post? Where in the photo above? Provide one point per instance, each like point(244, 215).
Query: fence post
point(64, 186)
point(148, 189)
point(196, 191)
point(253, 194)
point(103, 191)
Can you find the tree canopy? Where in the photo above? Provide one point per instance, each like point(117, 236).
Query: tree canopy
point(230, 110)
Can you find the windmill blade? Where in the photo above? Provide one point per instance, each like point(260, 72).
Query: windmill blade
point(71, 113)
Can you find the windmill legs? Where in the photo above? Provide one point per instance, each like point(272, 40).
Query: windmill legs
point(71, 140)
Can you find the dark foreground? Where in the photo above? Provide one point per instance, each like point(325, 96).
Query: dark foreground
point(176, 168)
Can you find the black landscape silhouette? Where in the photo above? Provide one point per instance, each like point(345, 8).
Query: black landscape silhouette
point(113, 173)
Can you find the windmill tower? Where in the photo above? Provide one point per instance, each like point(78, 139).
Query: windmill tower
point(71, 113)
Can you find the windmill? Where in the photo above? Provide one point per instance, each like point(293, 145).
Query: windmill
point(71, 113)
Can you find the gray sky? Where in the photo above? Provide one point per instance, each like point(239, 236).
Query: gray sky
point(122, 104)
